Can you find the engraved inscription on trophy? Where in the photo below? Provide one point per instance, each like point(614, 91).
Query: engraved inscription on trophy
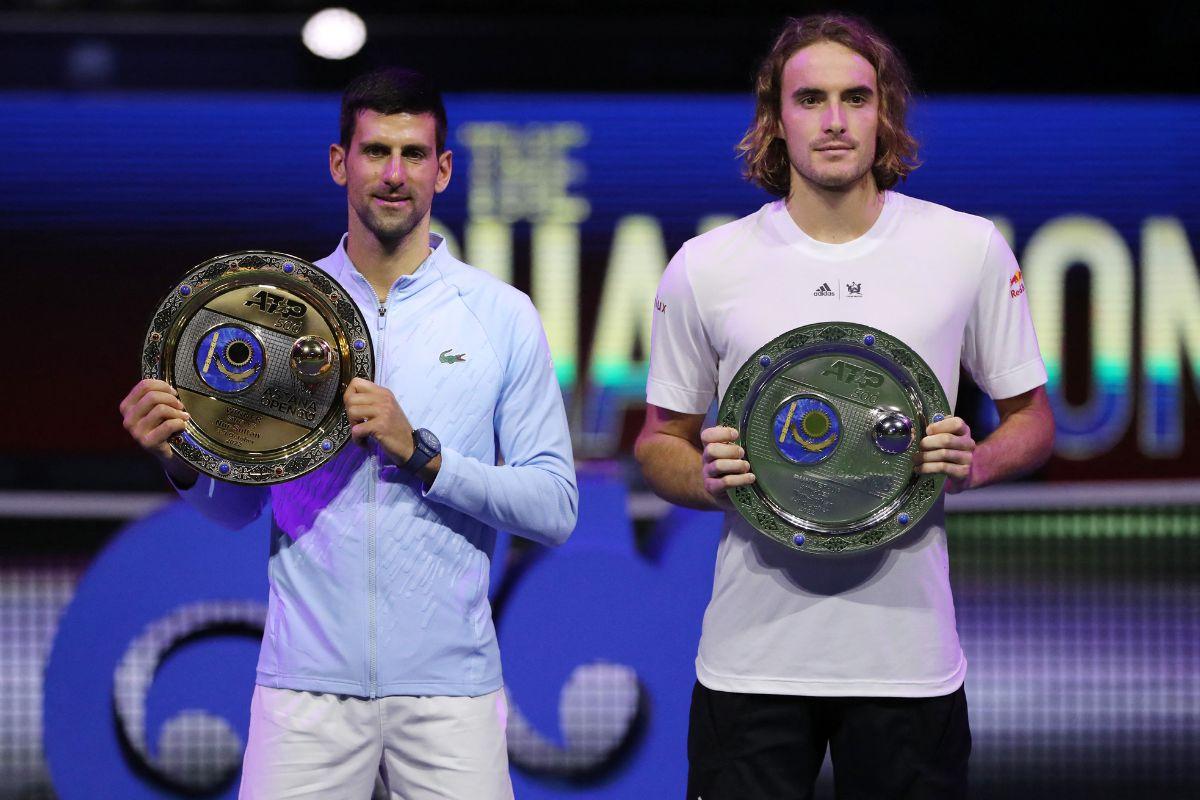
point(812, 495)
point(284, 311)
point(271, 307)
point(290, 403)
point(864, 380)
point(876, 483)
point(239, 427)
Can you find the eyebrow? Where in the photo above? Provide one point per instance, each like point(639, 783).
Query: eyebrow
point(807, 90)
point(410, 146)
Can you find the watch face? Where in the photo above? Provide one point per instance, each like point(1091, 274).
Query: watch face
point(429, 442)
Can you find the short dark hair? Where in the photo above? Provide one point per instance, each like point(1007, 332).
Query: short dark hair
point(392, 90)
point(765, 152)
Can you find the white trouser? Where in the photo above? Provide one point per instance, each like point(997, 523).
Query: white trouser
point(329, 746)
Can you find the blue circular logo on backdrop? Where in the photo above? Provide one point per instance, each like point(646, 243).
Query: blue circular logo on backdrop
point(229, 358)
point(148, 684)
point(806, 429)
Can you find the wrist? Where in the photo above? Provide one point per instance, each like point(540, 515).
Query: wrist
point(428, 473)
point(402, 454)
point(977, 470)
point(720, 501)
point(425, 449)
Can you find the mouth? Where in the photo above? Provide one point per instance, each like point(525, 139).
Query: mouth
point(834, 148)
point(392, 202)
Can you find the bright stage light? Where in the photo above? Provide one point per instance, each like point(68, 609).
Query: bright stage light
point(334, 33)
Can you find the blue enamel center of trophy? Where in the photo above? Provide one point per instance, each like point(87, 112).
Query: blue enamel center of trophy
point(229, 359)
point(806, 430)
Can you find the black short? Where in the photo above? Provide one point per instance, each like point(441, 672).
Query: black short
point(749, 746)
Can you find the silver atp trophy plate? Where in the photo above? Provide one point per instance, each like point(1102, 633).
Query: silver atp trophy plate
point(830, 416)
point(260, 346)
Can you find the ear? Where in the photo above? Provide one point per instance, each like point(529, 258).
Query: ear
point(445, 167)
point(337, 164)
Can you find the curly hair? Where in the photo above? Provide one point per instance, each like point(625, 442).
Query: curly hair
point(765, 152)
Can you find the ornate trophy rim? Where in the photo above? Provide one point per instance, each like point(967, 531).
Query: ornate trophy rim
point(905, 366)
point(304, 279)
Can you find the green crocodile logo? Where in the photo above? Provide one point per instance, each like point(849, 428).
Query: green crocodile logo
point(447, 358)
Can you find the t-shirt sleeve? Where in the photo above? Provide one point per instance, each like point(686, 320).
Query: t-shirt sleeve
point(683, 363)
point(1000, 347)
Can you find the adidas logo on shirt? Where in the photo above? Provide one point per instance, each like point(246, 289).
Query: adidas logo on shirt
point(823, 291)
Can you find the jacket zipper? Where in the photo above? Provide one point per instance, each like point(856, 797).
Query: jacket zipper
point(376, 466)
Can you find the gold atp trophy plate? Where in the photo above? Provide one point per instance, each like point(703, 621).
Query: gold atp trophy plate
point(260, 346)
point(831, 416)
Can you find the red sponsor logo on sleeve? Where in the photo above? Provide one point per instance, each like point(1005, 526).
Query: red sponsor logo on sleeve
point(1016, 284)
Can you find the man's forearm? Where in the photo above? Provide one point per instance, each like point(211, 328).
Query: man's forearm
point(537, 500)
point(1021, 444)
point(672, 467)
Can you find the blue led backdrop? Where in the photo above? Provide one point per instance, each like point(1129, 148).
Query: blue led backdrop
point(580, 201)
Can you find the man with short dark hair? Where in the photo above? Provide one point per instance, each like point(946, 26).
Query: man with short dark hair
point(379, 656)
point(857, 654)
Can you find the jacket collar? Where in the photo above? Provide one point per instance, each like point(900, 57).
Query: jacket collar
point(344, 272)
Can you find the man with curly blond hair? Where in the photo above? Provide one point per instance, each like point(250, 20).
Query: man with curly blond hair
point(860, 654)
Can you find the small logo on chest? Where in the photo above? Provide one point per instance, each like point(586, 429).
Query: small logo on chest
point(823, 291)
point(447, 357)
point(854, 290)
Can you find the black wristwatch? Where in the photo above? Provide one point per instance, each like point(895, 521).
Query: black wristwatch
point(425, 447)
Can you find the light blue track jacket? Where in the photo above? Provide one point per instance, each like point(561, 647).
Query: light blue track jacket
point(377, 586)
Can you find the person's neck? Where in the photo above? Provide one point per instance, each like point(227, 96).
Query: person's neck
point(383, 263)
point(834, 216)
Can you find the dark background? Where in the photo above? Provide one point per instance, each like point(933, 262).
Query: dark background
point(1028, 48)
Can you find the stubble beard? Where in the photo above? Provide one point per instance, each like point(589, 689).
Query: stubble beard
point(839, 181)
point(389, 230)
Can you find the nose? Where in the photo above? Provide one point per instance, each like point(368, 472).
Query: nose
point(835, 119)
point(393, 171)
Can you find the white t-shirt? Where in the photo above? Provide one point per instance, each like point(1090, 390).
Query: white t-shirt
point(945, 283)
